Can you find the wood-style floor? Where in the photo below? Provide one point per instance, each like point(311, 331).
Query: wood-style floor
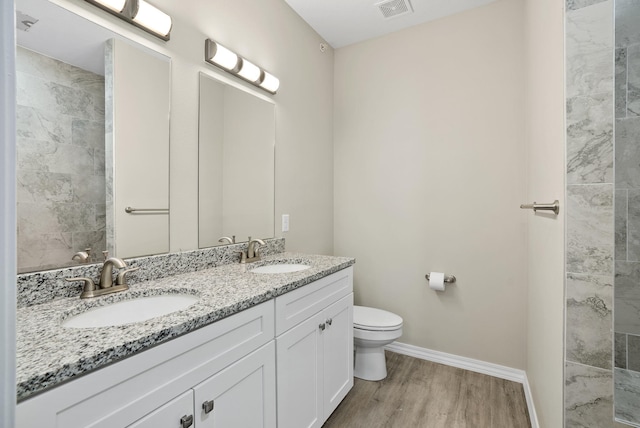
point(418, 393)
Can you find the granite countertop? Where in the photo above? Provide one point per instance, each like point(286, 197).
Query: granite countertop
point(48, 354)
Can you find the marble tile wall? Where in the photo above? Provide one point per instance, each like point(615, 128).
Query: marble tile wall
point(627, 223)
point(590, 202)
point(60, 169)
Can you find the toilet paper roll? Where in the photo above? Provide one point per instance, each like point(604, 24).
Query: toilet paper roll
point(436, 281)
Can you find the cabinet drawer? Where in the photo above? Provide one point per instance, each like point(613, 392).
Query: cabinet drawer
point(119, 394)
point(169, 415)
point(298, 305)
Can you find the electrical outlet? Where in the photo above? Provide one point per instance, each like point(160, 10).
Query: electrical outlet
point(285, 222)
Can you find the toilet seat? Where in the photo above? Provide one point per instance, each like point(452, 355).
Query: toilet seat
point(372, 319)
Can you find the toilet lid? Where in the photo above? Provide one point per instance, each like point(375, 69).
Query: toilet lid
point(366, 318)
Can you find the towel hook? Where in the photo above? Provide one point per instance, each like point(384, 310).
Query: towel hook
point(553, 206)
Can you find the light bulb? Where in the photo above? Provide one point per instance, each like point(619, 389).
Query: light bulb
point(224, 57)
point(270, 82)
point(115, 5)
point(152, 18)
point(249, 71)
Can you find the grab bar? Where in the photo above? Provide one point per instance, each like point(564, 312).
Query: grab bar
point(130, 210)
point(554, 206)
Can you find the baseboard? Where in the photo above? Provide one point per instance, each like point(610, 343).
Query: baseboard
point(470, 364)
point(533, 416)
point(495, 370)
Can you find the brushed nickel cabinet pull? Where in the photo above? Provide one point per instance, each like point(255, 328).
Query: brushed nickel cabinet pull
point(186, 421)
point(207, 406)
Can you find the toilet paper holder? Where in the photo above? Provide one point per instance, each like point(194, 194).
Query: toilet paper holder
point(448, 279)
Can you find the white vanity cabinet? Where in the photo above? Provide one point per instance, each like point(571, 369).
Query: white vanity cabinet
point(242, 395)
point(314, 350)
point(230, 362)
point(228, 374)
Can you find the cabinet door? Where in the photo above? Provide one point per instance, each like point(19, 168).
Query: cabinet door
point(338, 353)
point(171, 415)
point(299, 356)
point(242, 395)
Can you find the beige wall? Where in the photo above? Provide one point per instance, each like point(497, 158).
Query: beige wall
point(544, 29)
point(271, 35)
point(138, 142)
point(429, 175)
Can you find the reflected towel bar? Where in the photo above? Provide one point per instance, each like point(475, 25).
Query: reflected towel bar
point(130, 210)
point(554, 206)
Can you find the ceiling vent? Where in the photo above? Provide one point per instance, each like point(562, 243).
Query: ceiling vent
point(23, 21)
point(393, 8)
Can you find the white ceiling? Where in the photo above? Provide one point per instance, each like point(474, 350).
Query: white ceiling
point(344, 22)
point(65, 36)
point(56, 35)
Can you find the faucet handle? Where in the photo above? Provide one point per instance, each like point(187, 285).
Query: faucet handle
point(121, 279)
point(89, 285)
point(256, 252)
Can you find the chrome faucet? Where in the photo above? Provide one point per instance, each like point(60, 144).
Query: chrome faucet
point(106, 286)
point(253, 252)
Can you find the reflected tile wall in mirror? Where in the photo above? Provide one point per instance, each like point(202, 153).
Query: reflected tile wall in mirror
point(60, 171)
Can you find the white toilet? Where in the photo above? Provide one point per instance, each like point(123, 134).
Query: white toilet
point(373, 329)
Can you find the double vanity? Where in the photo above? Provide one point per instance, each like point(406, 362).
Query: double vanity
point(198, 339)
point(261, 344)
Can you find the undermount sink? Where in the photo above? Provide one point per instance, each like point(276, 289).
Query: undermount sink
point(130, 311)
point(280, 268)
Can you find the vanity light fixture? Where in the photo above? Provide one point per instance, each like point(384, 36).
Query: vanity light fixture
point(224, 58)
point(139, 13)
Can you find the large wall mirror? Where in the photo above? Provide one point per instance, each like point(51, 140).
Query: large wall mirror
point(627, 209)
point(81, 135)
point(236, 164)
